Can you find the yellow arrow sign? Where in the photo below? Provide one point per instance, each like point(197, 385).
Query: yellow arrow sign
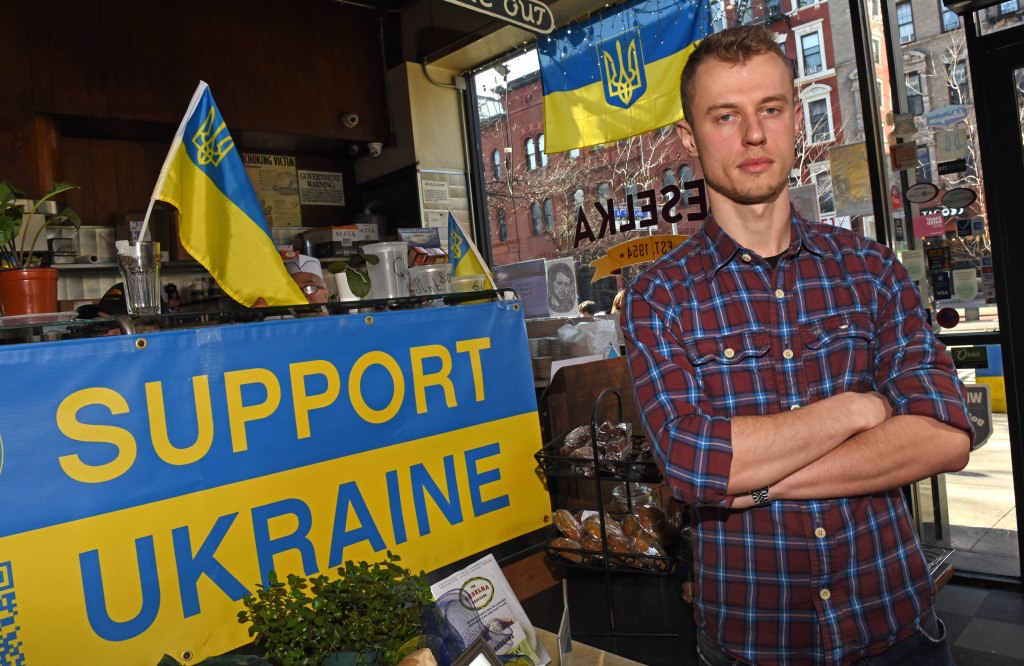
point(635, 251)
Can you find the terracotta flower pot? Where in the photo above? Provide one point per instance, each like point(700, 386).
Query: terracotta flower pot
point(28, 291)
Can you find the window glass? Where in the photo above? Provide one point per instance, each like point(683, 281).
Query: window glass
point(818, 117)
point(496, 163)
point(531, 154)
point(811, 49)
point(915, 93)
point(502, 225)
point(924, 167)
point(905, 20)
point(956, 77)
point(543, 204)
point(950, 21)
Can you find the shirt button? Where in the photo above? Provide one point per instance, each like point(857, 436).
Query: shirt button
point(746, 257)
point(794, 406)
point(820, 533)
point(787, 354)
point(825, 594)
point(779, 294)
point(729, 352)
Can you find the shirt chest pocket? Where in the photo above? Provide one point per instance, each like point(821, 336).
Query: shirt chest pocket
point(838, 353)
point(731, 369)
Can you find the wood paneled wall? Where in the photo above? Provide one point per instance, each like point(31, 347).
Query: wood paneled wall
point(94, 89)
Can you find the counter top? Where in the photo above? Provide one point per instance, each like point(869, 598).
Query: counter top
point(582, 655)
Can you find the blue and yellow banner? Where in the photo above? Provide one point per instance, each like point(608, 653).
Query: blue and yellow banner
point(222, 224)
point(616, 75)
point(151, 481)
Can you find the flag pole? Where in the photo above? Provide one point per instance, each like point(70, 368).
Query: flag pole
point(196, 96)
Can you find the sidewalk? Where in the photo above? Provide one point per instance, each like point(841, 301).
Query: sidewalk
point(982, 514)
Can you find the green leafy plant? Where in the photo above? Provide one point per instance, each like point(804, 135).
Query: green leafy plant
point(369, 608)
point(356, 272)
point(11, 214)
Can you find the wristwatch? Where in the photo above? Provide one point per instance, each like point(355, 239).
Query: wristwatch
point(760, 496)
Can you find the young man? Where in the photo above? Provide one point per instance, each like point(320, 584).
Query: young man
point(791, 384)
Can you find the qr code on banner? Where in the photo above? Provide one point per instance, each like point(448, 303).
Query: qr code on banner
point(10, 645)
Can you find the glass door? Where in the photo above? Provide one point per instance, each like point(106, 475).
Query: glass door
point(974, 511)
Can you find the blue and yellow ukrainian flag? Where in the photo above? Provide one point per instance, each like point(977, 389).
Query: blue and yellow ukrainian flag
point(463, 255)
point(616, 75)
point(222, 225)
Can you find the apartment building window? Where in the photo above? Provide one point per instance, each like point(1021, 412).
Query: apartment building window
point(685, 174)
point(804, 3)
point(819, 126)
point(604, 191)
point(905, 20)
point(876, 50)
point(810, 49)
point(549, 215)
point(502, 225)
point(924, 166)
point(574, 153)
point(577, 199)
point(531, 154)
point(668, 178)
point(950, 21)
point(956, 76)
point(773, 8)
point(915, 93)
point(496, 161)
point(822, 179)
point(535, 222)
point(540, 151)
point(876, 10)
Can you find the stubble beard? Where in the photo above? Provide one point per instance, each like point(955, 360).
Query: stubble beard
point(755, 194)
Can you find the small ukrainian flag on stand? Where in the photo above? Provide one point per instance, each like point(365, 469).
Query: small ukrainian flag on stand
point(616, 75)
point(222, 225)
point(463, 255)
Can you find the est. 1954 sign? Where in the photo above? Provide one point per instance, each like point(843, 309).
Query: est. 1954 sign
point(531, 15)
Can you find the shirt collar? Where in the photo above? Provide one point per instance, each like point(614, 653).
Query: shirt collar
point(719, 247)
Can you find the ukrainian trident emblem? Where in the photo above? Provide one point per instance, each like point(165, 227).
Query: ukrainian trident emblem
point(212, 144)
point(623, 73)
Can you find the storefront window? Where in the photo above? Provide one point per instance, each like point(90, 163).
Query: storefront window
point(543, 193)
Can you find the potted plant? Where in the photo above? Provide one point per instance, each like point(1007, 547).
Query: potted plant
point(364, 616)
point(25, 287)
point(357, 277)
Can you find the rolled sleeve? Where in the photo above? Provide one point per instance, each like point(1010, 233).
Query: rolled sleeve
point(693, 445)
point(915, 372)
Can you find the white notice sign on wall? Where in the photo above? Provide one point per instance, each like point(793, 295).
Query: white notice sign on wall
point(321, 188)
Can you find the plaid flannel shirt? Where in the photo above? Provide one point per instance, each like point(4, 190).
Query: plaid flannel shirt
point(712, 332)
